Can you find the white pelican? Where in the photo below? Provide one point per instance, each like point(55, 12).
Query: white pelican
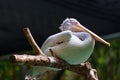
point(74, 45)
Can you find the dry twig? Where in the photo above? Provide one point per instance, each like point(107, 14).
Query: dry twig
point(32, 41)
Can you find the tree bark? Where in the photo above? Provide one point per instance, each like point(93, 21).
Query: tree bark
point(40, 60)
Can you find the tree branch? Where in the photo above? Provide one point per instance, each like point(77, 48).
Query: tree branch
point(42, 60)
point(32, 41)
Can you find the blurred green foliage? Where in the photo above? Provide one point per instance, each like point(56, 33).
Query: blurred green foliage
point(106, 60)
point(8, 71)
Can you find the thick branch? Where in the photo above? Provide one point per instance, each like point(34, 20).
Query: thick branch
point(83, 68)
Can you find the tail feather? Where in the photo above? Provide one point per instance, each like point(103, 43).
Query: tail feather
point(35, 72)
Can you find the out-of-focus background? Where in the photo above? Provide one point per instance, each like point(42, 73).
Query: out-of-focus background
point(43, 17)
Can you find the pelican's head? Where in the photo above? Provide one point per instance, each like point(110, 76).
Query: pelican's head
point(73, 25)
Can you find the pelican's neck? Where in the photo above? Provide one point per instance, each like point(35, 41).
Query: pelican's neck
point(87, 39)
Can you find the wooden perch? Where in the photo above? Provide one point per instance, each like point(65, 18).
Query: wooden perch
point(82, 69)
point(42, 60)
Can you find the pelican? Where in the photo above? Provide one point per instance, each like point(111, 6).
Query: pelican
point(74, 44)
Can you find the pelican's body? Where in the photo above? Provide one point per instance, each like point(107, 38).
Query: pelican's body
point(74, 45)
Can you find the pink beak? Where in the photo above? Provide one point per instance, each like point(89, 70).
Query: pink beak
point(78, 27)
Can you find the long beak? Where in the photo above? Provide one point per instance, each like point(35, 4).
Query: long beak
point(79, 27)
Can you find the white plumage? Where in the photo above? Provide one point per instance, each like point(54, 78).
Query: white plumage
point(74, 45)
point(74, 48)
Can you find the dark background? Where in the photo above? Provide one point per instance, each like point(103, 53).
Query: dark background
point(43, 17)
